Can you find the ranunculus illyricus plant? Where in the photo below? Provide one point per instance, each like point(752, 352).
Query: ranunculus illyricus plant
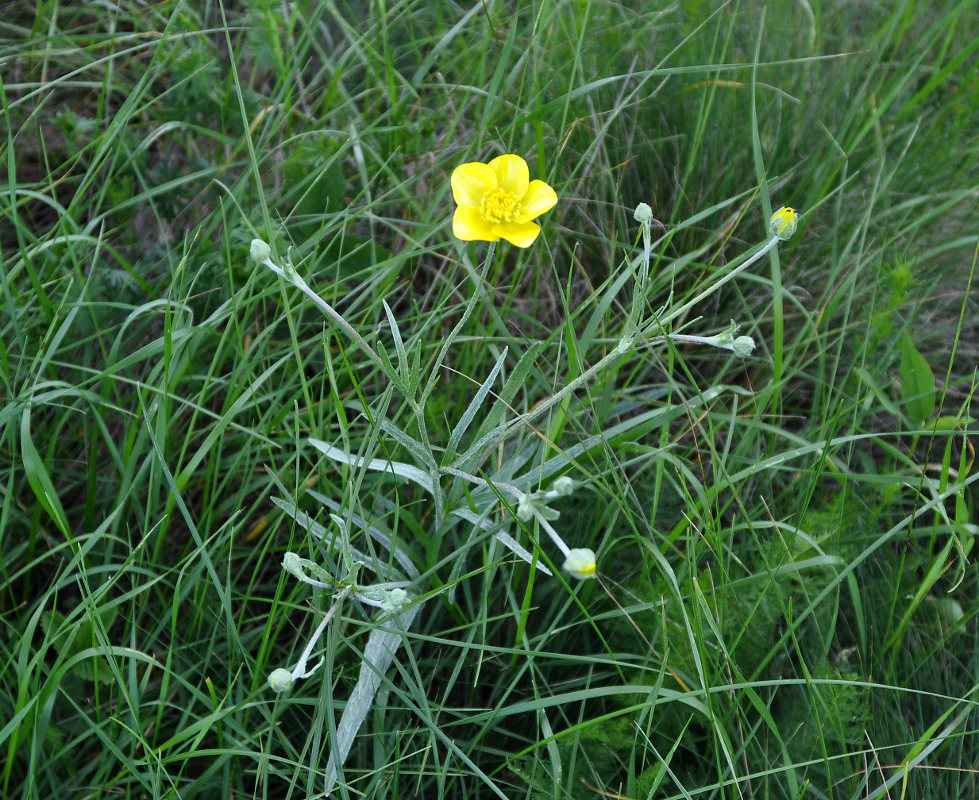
point(499, 201)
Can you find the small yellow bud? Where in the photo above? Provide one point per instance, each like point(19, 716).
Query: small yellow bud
point(580, 563)
point(783, 223)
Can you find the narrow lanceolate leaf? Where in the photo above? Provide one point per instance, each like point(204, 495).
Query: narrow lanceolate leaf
point(477, 403)
point(917, 383)
point(379, 536)
point(501, 536)
point(413, 446)
point(398, 468)
point(323, 533)
point(399, 345)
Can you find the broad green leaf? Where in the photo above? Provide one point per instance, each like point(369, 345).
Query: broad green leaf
point(917, 382)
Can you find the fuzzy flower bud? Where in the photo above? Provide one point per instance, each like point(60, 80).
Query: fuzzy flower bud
point(260, 251)
point(783, 223)
point(293, 564)
point(395, 600)
point(281, 680)
point(387, 599)
point(563, 486)
point(644, 214)
point(580, 563)
point(743, 346)
point(525, 508)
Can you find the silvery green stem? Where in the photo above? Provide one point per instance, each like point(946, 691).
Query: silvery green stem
point(296, 280)
point(572, 387)
point(644, 216)
point(299, 671)
point(450, 339)
point(433, 472)
point(676, 312)
point(626, 342)
point(687, 337)
point(419, 407)
point(565, 550)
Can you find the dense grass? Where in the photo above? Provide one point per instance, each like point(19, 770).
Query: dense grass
point(785, 605)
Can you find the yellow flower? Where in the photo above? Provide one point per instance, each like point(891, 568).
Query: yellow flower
point(498, 201)
point(783, 223)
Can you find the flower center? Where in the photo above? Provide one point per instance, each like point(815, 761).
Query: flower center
point(498, 205)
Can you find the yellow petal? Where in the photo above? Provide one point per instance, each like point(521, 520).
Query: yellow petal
point(469, 225)
point(471, 181)
point(512, 173)
point(539, 198)
point(522, 234)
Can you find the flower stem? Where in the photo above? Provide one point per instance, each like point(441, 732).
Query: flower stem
point(294, 278)
point(676, 312)
point(450, 339)
point(299, 671)
point(645, 216)
point(419, 406)
point(565, 550)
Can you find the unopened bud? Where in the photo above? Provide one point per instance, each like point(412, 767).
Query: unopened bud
point(260, 251)
point(743, 346)
point(563, 486)
point(580, 563)
point(525, 508)
point(783, 223)
point(281, 680)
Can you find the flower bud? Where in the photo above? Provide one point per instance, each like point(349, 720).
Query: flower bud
point(525, 508)
point(281, 680)
point(783, 223)
point(563, 486)
point(644, 214)
point(580, 563)
point(395, 599)
point(387, 599)
point(743, 346)
point(260, 251)
point(293, 564)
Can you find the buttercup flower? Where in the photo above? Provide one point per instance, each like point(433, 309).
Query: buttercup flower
point(498, 201)
point(579, 562)
point(783, 223)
